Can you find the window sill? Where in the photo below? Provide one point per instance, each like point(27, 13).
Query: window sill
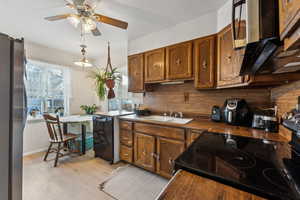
point(35, 119)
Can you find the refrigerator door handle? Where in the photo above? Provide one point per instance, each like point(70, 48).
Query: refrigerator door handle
point(24, 107)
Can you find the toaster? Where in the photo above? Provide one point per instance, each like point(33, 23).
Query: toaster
point(266, 120)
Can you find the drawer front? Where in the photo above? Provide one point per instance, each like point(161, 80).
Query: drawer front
point(126, 138)
point(162, 131)
point(126, 153)
point(126, 125)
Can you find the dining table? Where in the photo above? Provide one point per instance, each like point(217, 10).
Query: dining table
point(77, 119)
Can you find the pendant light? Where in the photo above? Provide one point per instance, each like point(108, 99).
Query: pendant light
point(83, 62)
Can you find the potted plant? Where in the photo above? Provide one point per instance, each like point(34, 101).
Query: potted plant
point(89, 110)
point(99, 77)
point(33, 112)
point(111, 78)
point(106, 78)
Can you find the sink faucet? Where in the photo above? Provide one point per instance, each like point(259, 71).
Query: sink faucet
point(174, 114)
point(178, 114)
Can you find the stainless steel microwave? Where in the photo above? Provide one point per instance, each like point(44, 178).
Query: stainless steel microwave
point(260, 18)
point(255, 27)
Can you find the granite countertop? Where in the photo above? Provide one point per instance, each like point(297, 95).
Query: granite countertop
point(205, 124)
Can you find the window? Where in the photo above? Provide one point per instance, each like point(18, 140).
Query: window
point(46, 88)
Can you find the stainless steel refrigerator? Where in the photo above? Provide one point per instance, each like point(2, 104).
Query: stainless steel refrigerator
point(12, 116)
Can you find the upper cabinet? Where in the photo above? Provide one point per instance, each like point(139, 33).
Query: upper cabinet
point(179, 61)
point(289, 13)
point(155, 66)
point(229, 60)
point(205, 62)
point(136, 73)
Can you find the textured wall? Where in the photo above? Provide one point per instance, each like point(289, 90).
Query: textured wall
point(286, 98)
point(184, 98)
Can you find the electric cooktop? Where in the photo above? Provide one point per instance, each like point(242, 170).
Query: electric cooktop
point(265, 168)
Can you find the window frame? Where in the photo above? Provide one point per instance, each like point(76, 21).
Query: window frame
point(46, 67)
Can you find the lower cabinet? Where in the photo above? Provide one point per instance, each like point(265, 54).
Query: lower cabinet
point(152, 147)
point(144, 151)
point(167, 151)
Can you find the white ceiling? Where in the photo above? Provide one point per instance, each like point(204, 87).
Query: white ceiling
point(24, 18)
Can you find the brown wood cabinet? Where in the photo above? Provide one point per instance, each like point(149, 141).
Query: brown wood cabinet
point(126, 153)
point(136, 73)
point(229, 60)
point(179, 61)
point(167, 151)
point(155, 66)
point(289, 12)
point(205, 62)
point(144, 151)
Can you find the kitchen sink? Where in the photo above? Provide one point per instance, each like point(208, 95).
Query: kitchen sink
point(168, 119)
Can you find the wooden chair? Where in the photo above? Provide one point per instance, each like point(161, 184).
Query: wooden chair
point(57, 137)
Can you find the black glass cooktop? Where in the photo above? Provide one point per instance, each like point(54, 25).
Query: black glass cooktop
point(254, 165)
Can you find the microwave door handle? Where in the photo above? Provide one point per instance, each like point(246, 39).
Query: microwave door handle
point(233, 20)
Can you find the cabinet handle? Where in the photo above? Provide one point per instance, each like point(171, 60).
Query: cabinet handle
point(171, 162)
point(157, 66)
point(126, 154)
point(144, 152)
point(228, 58)
point(156, 156)
point(204, 65)
point(178, 61)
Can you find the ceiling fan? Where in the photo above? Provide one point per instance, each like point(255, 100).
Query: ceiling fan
point(87, 17)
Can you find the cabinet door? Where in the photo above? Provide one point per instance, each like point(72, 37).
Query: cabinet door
point(289, 14)
point(288, 10)
point(204, 62)
point(155, 66)
point(229, 60)
point(144, 151)
point(136, 73)
point(179, 61)
point(168, 150)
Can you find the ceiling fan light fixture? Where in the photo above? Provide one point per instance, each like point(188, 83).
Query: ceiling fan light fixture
point(88, 25)
point(74, 20)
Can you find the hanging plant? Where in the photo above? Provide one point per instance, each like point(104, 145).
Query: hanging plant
point(111, 76)
point(106, 79)
point(99, 77)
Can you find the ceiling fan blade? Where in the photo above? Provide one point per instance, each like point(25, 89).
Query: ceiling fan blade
point(96, 32)
point(57, 17)
point(111, 21)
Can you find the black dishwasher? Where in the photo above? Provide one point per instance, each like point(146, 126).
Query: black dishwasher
point(103, 133)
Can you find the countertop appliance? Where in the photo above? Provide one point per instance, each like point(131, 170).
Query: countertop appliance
point(103, 132)
point(216, 114)
point(266, 120)
point(261, 39)
point(12, 116)
point(237, 112)
point(262, 167)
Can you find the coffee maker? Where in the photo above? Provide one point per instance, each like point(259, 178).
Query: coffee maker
point(237, 112)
